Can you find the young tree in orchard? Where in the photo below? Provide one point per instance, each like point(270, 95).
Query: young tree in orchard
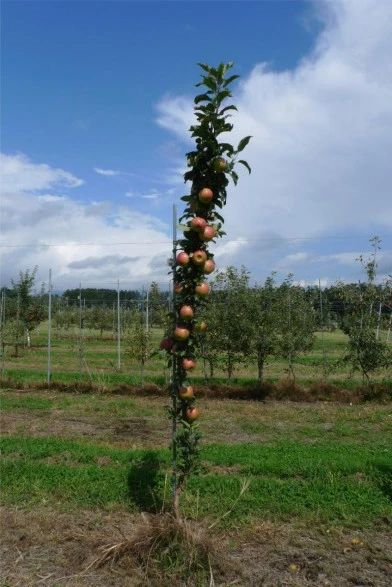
point(264, 311)
point(366, 352)
point(138, 341)
point(229, 318)
point(157, 305)
point(98, 318)
point(210, 166)
point(29, 310)
point(296, 323)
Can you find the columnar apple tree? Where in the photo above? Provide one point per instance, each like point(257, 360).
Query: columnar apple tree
point(210, 166)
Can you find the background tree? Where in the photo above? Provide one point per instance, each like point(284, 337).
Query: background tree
point(229, 318)
point(158, 305)
point(296, 323)
point(366, 351)
point(29, 310)
point(138, 342)
point(264, 310)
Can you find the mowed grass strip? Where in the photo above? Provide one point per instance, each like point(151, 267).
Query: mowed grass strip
point(343, 484)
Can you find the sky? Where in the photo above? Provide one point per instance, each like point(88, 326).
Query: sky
point(96, 106)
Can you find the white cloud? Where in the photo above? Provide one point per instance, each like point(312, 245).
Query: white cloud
point(18, 173)
point(85, 234)
point(322, 135)
point(111, 172)
point(107, 172)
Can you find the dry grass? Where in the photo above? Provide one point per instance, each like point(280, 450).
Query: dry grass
point(48, 548)
point(166, 548)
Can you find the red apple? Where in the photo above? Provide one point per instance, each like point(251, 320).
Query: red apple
point(186, 392)
point(188, 364)
point(199, 257)
point(201, 326)
point(166, 344)
point(208, 233)
point(198, 223)
point(181, 333)
point(209, 266)
point(203, 289)
point(182, 258)
point(192, 414)
point(186, 312)
point(205, 195)
point(219, 164)
point(178, 287)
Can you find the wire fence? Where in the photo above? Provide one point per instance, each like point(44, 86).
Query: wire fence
point(112, 336)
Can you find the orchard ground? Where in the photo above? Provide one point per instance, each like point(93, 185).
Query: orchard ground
point(78, 470)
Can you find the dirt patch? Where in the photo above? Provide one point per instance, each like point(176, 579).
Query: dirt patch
point(277, 556)
point(51, 548)
point(127, 432)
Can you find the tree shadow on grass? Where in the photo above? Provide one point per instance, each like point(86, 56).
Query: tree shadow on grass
point(383, 476)
point(146, 483)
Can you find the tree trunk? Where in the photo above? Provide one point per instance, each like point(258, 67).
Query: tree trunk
point(211, 365)
point(260, 367)
point(229, 365)
point(28, 338)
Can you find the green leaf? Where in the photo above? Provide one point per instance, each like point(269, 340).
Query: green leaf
point(222, 95)
point(234, 176)
point(202, 98)
point(210, 83)
point(204, 66)
point(242, 144)
point(245, 164)
point(230, 79)
point(226, 108)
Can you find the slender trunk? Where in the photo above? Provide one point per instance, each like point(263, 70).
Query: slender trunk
point(260, 367)
point(211, 365)
point(229, 365)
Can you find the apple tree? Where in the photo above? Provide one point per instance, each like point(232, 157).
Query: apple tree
point(264, 307)
point(365, 351)
point(229, 318)
point(296, 323)
point(211, 164)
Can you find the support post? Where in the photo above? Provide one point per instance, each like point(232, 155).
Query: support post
point(147, 310)
point(174, 383)
point(118, 327)
point(49, 327)
point(2, 321)
point(80, 330)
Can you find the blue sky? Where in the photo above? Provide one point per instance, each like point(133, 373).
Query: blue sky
point(101, 91)
point(81, 79)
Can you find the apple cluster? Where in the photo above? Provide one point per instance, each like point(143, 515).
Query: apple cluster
point(192, 264)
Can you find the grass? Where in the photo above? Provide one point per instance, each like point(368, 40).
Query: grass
point(324, 480)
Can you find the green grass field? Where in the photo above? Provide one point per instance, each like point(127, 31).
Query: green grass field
point(319, 476)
